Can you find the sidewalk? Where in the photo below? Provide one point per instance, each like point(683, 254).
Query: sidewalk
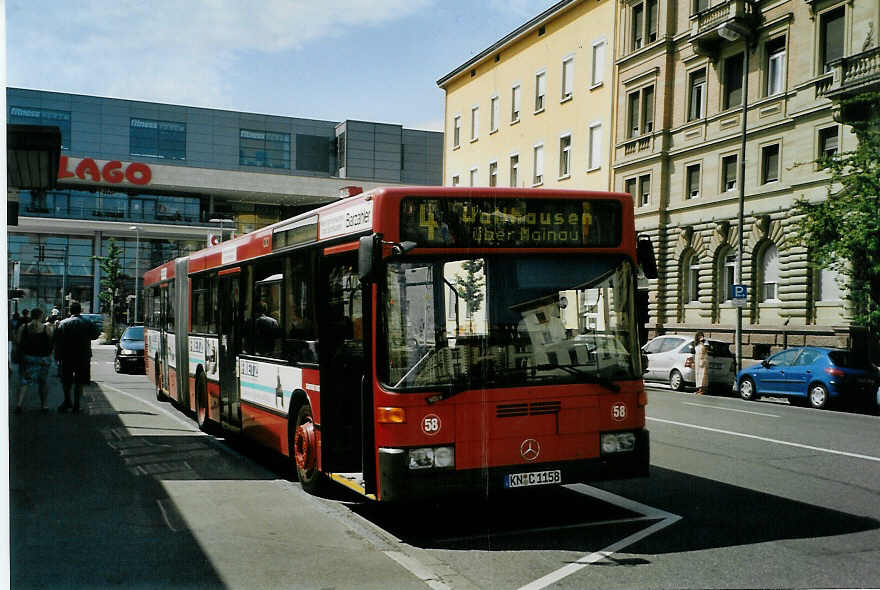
point(80, 516)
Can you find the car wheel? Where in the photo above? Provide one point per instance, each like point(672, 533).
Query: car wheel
point(818, 396)
point(747, 390)
point(117, 365)
point(675, 380)
point(304, 450)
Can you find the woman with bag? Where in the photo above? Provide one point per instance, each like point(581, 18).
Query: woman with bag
point(35, 358)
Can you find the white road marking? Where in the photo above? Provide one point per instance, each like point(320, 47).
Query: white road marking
point(648, 513)
point(770, 440)
point(417, 569)
point(730, 409)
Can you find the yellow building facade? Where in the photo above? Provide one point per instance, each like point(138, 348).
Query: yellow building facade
point(535, 108)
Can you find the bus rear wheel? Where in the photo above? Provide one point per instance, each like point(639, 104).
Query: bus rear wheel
point(202, 402)
point(159, 395)
point(304, 450)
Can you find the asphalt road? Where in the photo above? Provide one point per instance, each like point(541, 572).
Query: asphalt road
point(740, 494)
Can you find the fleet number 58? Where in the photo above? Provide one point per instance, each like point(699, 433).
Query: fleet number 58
point(618, 411)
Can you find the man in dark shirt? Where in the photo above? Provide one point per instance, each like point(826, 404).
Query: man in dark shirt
point(74, 341)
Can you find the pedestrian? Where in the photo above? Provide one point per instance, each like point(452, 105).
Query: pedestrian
point(75, 352)
point(35, 358)
point(701, 363)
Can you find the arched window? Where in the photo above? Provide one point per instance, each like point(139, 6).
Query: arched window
point(692, 278)
point(725, 273)
point(770, 274)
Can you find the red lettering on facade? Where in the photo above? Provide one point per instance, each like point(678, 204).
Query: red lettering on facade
point(88, 165)
point(63, 172)
point(138, 173)
point(111, 171)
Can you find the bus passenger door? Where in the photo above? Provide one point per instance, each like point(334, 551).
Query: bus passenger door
point(166, 302)
point(230, 346)
point(341, 337)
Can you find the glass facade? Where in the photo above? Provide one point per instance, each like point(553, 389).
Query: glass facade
point(34, 116)
point(112, 206)
point(264, 148)
point(157, 139)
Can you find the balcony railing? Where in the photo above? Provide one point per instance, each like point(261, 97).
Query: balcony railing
point(855, 73)
point(741, 14)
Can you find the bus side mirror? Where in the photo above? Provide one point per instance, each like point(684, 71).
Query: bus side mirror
point(646, 259)
point(369, 254)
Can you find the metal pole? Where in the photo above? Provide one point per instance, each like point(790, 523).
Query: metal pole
point(741, 183)
point(137, 259)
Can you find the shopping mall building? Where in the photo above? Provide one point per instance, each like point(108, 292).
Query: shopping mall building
point(164, 180)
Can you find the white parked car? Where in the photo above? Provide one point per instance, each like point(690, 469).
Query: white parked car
point(671, 360)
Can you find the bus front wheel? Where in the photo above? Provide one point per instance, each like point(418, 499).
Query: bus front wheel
point(304, 450)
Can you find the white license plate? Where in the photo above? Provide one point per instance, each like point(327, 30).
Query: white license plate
point(536, 478)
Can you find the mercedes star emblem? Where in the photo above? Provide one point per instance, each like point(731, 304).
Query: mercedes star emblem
point(530, 449)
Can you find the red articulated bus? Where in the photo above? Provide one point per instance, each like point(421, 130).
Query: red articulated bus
point(411, 342)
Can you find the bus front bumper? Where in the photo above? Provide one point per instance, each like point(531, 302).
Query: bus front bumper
point(398, 483)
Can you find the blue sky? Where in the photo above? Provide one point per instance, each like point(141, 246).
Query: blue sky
point(373, 60)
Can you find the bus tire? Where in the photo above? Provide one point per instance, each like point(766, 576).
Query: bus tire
point(202, 402)
point(303, 449)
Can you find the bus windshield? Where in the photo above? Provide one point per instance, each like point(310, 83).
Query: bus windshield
point(506, 321)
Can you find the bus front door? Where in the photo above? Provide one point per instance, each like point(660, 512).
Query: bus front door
point(230, 346)
point(166, 313)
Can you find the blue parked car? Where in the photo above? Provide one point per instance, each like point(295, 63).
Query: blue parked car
point(810, 374)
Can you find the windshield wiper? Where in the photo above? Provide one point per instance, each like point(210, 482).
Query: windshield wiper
point(576, 370)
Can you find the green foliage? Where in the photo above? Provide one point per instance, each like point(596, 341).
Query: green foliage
point(111, 284)
point(843, 231)
point(471, 286)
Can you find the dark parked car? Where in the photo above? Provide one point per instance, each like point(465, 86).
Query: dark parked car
point(97, 321)
point(810, 374)
point(130, 351)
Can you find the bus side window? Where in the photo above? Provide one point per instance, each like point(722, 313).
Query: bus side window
point(300, 342)
point(345, 321)
point(268, 334)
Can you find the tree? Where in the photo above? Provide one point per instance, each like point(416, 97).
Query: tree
point(843, 231)
point(111, 284)
point(471, 287)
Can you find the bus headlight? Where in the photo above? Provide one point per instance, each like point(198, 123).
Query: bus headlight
point(431, 457)
point(617, 442)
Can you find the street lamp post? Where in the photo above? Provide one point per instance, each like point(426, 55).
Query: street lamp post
point(221, 221)
point(137, 259)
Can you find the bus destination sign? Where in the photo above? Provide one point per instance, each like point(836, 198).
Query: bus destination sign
point(510, 223)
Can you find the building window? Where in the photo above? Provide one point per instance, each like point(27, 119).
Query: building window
point(514, 104)
point(565, 156)
point(494, 111)
point(832, 33)
point(700, 6)
point(775, 66)
point(595, 143)
point(157, 139)
point(733, 81)
point(828, 142)
point(266, 149)
point(644, 23)
point(728, 173)
point(727, 261)
point(514, 170)
point(829, 284)
point(456, 180)
point(540, 90)
point(493, 173)
point(538, 154)
point(598, 75)
point(475, 123)
point(640, 111)
point(629, 186)
point(770, 163)
point(474, 177)
point(567, 77)
point(697, 99)
point(693, 181)
point(644, 190)
point(456, 131)
point(770, 274)
point(33, 116)
point(692, 278)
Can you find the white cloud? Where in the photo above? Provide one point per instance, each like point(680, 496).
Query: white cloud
point(170, 50)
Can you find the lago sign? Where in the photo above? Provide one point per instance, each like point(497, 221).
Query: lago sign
point(111, 172)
